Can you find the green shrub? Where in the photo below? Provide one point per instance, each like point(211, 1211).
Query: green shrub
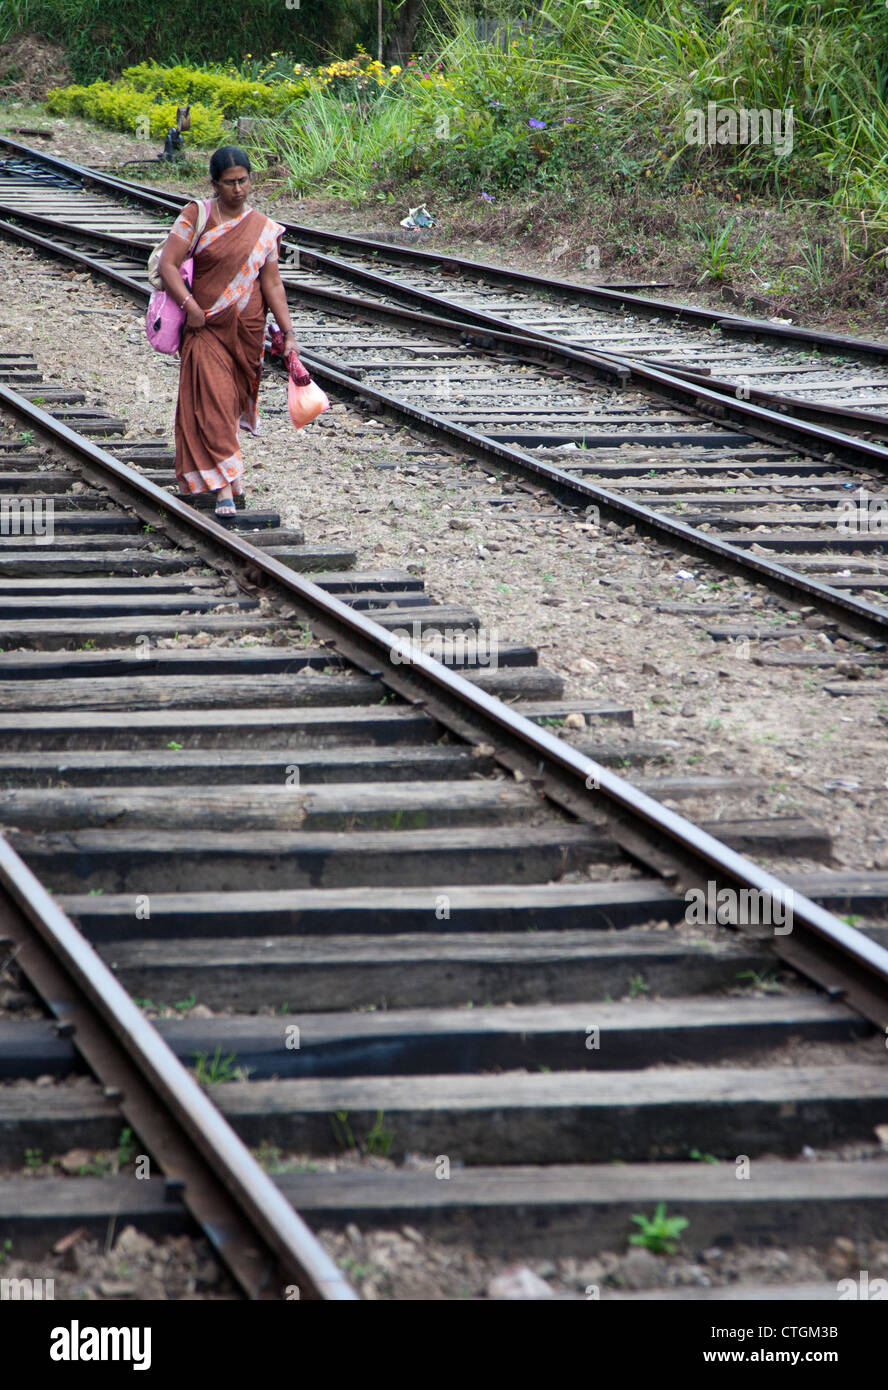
point(124, 108)
point(232, 94)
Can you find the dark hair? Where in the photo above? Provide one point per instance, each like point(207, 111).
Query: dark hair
point(228, 157)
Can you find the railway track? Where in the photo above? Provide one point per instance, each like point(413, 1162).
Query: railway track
point(335, 844)
point(753, 487)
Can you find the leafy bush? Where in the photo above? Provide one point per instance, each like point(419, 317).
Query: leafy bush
point(232, 94)
point(215, 94)
point(125, 108)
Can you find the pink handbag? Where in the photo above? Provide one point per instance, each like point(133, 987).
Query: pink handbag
point(165, 319)
point(305, 399)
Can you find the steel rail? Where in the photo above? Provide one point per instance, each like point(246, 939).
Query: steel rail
point(54, 248)
point(831, 952)
point(707, 394)
point(599, 294)
point(699, 396)
point(857, 615)
point(817, 412)
point(250, 1224)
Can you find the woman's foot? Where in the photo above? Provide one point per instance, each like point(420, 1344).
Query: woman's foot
point(225, 502)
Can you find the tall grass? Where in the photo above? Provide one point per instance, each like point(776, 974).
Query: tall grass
point(14, 18)
point(337, 144)
point(826, 59)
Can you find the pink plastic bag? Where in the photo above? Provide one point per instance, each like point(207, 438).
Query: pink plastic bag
point(305, 399)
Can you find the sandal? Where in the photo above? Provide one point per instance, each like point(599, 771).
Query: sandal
point(226, 507)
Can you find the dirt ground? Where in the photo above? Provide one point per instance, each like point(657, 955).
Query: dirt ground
point(29, 67)
point(403, 1265)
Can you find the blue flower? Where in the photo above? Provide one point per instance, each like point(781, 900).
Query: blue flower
point(487, 198)
point(535, 124)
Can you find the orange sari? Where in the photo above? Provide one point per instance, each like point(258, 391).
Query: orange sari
point(221, 363)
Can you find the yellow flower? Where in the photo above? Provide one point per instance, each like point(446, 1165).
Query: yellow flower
point(395, 69)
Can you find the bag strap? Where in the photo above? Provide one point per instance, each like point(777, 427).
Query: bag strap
point(203, 217)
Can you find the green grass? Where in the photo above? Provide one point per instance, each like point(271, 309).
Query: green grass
point(660, 1232)
point(379, 1140)
point(761, 980)
point(210, 1071)
point(339, 143)
point(342, 1130)
point(601, 89)
point(126, 1147)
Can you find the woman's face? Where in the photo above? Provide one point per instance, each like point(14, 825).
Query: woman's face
point(232, 187)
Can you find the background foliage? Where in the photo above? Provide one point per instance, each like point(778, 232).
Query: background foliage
point(104, 36)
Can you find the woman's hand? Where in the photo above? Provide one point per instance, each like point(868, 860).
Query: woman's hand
point(275, 297)
point(194, 315)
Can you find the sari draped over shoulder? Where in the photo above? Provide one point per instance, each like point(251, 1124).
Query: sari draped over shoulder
point(221, 363)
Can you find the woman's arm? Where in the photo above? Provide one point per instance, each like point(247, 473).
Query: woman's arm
point(174, 253)
point(276, 299)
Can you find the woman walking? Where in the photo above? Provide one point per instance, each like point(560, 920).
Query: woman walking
point(236, 281)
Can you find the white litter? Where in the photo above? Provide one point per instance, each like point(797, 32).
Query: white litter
point(418, 217)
